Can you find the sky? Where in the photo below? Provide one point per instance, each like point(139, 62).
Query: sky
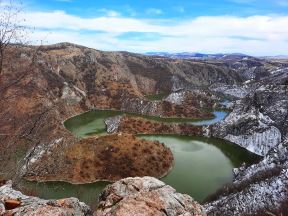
point(254, 27)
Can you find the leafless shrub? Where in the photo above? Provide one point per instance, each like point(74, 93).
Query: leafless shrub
point(11, 29)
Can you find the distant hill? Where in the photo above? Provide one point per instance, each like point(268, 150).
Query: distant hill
point(276, 57)
point(192, 55)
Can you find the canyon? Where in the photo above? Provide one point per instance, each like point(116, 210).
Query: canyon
point(47, 85)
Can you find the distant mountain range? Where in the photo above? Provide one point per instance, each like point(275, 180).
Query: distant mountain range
point(196, 55)
point(189, 55)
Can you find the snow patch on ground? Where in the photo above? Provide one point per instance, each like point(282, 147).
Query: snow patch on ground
point(176, 98)
point(37, 152)
point(251, 200)
point(235, 91)
point(258, 142)
point(263, 193)
point(113, 123)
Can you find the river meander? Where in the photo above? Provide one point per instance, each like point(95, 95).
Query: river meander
point(202, 165)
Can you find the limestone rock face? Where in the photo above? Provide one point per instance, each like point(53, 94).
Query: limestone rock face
point(258, 122)
point(30, 206)
point(230, 90)
point(145, 196)
point(113, 124)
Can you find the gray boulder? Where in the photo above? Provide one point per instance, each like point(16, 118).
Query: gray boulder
point(15, 203)
point(145, 196)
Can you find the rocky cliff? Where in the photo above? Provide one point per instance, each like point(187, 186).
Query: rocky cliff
point(144, 197)
point(258, 123)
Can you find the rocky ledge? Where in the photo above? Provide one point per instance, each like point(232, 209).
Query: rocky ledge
point(15, 203)
point(145, 196)
point(259, 124)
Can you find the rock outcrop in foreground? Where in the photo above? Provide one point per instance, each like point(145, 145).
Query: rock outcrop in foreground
point(13, 202)
point(144, 197)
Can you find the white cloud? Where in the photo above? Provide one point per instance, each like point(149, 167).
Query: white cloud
point(257, 35)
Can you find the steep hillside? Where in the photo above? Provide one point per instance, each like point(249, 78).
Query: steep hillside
point(43, 86)
point(259, 124)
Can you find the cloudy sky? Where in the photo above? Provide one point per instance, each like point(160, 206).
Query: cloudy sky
point(255, 27)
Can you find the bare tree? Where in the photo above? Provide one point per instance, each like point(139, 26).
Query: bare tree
point(11, 29)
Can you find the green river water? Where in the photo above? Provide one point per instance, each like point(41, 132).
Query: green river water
point(202, 165)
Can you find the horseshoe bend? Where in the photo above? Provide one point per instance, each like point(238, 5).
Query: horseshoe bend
point(150, 135)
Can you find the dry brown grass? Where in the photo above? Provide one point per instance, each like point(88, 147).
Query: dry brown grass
point(111, 157)
point(137, 125)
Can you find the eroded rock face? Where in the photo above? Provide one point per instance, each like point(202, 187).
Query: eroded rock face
point(113, 123)
point(145, 196)
point(234, 91)
point(176, 97)
point(165, 108)
point(259, 121)
point(30, 206)
point(194, 98)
